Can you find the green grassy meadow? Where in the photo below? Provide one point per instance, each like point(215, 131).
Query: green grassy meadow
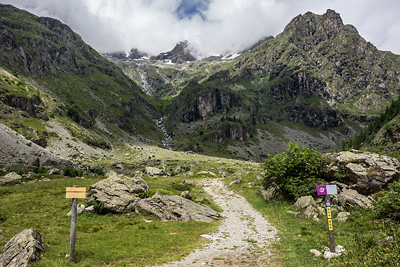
point(112, 239)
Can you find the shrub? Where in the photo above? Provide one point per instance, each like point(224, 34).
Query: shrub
point(296, 171)
point(72, 172)
point(388, 205)
point(40, 170)
point(99, 171)
point(20, 169)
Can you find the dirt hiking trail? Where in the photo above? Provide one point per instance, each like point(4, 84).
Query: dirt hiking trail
point(243, 238)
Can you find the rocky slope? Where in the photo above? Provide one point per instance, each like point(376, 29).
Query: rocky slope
point(88, 86)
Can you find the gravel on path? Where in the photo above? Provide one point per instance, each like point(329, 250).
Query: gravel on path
point(243, 238)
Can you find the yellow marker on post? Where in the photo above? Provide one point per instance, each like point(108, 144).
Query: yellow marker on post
point(326, 190)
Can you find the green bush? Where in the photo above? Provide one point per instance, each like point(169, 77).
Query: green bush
point(388, 205)
point(20, 169)
point(297, 171)
point(72, 172)
point(99, 171)
point(40, 170)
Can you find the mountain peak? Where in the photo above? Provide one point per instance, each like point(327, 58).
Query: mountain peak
point(182, 52)
point(309, 24)
point(333, 21)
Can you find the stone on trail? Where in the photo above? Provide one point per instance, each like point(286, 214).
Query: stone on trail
point(176, 208)
point(22, 249)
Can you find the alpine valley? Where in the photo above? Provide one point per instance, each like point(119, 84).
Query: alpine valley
point(316, 84)
point(181, 152)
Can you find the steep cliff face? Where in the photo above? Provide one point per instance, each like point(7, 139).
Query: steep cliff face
point(198, 102)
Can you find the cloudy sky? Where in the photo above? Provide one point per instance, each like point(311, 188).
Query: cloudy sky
point(212, 26)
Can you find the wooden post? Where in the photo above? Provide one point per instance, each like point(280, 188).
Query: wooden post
point(74, 192)
point(330, 225)
point(73, 228)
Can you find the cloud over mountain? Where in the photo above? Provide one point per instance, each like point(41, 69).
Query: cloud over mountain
point(212, 26)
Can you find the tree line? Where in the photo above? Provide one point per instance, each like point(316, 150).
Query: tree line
point(365, 135)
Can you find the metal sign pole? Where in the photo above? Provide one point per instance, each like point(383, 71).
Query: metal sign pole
point(326, 190)
point(330, 224)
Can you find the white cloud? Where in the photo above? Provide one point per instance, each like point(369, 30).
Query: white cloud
point(230, 25)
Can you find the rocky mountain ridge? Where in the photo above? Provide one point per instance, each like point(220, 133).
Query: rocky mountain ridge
point(318, 72)
point(314, 84)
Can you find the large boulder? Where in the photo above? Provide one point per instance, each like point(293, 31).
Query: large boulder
point(176, 208)
point(352, 198)
point(22, 249)
point(367, 172)
point(118, 193)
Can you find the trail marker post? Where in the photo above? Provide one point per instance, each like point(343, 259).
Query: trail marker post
point(74, 192)
point(326, 190)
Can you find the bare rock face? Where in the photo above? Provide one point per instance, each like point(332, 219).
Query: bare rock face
point(176, 208)
point(22, 249)
point(367, 172)
point(117, 193)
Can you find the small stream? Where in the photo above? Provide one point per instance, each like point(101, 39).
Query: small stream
point(167, 138)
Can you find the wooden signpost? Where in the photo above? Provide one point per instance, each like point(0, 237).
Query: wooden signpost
point(74, 192)
point(326, 190)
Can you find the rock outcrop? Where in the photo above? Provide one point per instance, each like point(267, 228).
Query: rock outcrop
point(352, 198)
point(367, 172)
point(16, 149)
point(22, 249)
point(117, 194)
point(176, 208)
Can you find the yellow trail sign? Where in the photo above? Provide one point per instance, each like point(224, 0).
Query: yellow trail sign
point(76, 192)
